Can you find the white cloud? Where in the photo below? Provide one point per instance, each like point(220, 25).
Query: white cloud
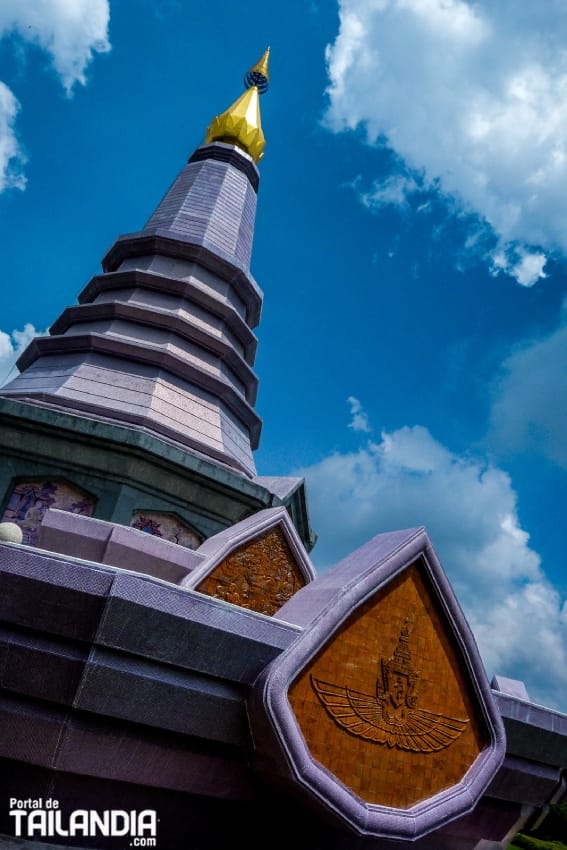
point(469, 509)
point(526, 266)
point(527, 633)
point(359, 421)
point(529, 411)
point(11, 346)
point(473, 98)
point(395, 190)
point(70, 31)
point(11, 155)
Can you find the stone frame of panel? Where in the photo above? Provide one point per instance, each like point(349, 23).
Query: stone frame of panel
point(321, 608)
point(218, 547)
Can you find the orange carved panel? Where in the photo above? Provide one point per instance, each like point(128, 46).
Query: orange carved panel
point(261, 575)
point(386, 706)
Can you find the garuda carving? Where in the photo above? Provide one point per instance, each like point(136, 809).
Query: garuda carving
point(391, 716)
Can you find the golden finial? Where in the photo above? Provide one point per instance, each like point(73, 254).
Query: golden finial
point(240, 124)
point(258, 75)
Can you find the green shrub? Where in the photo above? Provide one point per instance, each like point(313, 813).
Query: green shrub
point(551, 835)
point(528, 842)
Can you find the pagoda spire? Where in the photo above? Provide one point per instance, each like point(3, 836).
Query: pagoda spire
point(241, 123)
point(162, 340)
point(143, 395)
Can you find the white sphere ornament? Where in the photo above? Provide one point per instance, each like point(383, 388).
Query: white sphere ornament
point(10, 533)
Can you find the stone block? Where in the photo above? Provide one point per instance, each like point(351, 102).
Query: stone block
point(190, 630)
point(50, 593)
point(139, 691)
point(38, 666)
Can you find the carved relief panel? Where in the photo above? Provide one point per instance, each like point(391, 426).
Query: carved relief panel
point(260, 575)
point(380, 713)
point(385, 705)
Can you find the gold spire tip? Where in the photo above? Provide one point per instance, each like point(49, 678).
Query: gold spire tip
point(240, 124)
point(258, 75)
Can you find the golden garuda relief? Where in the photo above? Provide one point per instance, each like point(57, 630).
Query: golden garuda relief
point(391, 716)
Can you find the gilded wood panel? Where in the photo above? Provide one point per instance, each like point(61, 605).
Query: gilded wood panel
point(261, 575)
point(386, 705)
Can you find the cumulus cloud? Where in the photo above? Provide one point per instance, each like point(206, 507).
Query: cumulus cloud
point(11, 346)
point(473, 98)
point(12, 156)
point(529, 411)
point(359, 421)
point(70, 31)
point(526, 266)
point(469, 509)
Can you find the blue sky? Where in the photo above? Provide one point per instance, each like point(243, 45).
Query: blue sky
point(411, 240)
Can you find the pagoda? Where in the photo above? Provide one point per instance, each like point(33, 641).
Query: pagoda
point(173, 672)
point(143, 395)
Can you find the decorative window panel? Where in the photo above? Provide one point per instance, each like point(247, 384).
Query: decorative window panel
point(29, 501)
point(167, 526)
